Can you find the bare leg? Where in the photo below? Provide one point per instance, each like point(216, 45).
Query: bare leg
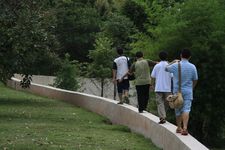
point(126, 93)
point(185, 118)
point(179, 123)
point(120, 98)
point(125, 96)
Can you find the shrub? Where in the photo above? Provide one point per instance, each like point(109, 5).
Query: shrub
point(67, 75)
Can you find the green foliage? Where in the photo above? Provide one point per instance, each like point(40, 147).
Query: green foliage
point(102, 56)
point(119, 28)
point(67, 76)
point(104, 7)
point(199, 25)
point(77, 25)
point(136, 13)
point(142, 42)
point(26, 38)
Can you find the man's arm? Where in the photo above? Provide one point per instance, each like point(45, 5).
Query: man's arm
point(152, 63)
point(152, 84)
point(168, 67)
point(194, 83)
point(114, 71)
point(132, 68)
point(195, 78)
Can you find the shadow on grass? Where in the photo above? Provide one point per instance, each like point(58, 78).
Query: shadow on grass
point(118, 128)
point(25, 102)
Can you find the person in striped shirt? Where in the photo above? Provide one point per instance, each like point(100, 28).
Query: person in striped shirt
point(189, 77)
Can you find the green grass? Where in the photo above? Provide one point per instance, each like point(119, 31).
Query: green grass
point(33, 122)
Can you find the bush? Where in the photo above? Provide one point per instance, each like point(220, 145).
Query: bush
point(67, 75)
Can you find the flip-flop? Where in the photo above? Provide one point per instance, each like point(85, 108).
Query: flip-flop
point(162, 121)
point(184, 132)
point(179, 130)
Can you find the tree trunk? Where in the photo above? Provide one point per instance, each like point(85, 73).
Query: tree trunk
point(114, 92)
point(102, 87)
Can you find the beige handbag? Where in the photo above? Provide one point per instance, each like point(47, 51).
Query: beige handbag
point(176, 100)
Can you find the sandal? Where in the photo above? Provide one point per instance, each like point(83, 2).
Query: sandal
point(179, 130)
point(162, 121)
point(120, 103)
point(184, 132)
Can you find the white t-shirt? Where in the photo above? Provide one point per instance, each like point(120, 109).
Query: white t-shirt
point(162, 78)
point(122, 67)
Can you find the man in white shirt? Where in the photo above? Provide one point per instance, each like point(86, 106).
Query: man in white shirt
point(162, 81)
point(120, 68)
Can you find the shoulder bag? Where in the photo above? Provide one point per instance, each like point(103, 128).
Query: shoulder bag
point(176, 100)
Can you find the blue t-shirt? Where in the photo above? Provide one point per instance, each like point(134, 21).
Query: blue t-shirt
point(188, 74)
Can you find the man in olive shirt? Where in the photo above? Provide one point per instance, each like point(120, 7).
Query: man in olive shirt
point(141, 69)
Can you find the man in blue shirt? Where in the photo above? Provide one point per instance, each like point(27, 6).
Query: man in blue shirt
point(189, 77)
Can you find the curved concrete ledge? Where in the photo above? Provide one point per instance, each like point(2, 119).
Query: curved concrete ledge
point(163, 136)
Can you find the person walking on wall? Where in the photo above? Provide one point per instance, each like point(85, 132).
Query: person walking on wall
point(189, 77)
point(120, 68)
point(141, 69)
point(161, 83)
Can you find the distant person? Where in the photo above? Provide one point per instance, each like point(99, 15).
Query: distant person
point(189, 79)
point(161, 81)
point(120, 68)
point(141, 69)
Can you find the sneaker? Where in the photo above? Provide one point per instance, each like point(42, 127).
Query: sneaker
point(140, 111)
point(120, 103)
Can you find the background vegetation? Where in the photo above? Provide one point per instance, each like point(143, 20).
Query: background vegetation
point(35, 35)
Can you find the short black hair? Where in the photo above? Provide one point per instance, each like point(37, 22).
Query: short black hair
point(139, 54)
point(163, 55)
point(185, 53)
point(119, 50)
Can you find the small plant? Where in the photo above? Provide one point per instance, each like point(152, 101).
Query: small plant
point(67, 76)
point(102, 58)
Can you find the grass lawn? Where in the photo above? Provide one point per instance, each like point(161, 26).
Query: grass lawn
point(33, 122)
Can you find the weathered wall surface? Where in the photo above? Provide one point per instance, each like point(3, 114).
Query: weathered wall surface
point(89, 86)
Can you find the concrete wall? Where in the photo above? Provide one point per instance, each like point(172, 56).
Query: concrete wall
point(163, 136)
point(88, 85)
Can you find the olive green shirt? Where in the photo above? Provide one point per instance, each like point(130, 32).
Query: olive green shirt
point(141, 69)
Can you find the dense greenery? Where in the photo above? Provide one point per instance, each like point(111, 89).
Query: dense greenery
point(35, 35)
point(102, 58)
point(77, 24)
point(66, 77)
point(32, 122)
point(27, 38)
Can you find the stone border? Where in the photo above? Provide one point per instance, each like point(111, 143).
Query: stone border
point(163, 136)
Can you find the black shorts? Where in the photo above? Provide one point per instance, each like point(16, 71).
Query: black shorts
point(124, 85)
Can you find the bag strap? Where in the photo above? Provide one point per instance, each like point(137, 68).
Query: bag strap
point(179, 76)
point(127, 63)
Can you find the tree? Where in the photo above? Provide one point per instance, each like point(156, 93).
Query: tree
point(66, 77)
point(102, 58)
point(136, 13)
point(77, 24)
point(104, 7)
point(26, 38)
point(118, 28)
